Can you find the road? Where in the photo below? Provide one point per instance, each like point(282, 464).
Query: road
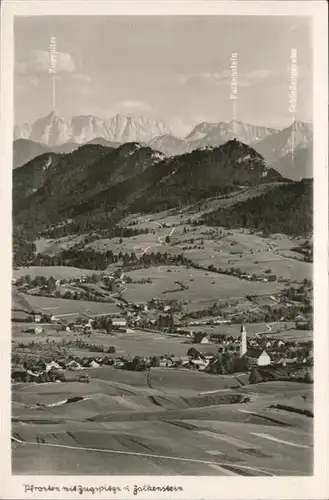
point(161, 239)
point(218, 465)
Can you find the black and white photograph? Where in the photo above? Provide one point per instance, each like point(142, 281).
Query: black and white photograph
point(162, 248)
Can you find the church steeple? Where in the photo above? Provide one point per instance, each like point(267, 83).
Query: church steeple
point(243, 341)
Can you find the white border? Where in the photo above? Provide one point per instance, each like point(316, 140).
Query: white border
point(315, 487)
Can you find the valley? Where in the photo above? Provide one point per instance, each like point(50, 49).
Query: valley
point(162, 318)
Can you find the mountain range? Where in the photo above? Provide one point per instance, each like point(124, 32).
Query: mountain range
point(54, 130)
point(93, 187)
point(95, 180)
point(56, 134)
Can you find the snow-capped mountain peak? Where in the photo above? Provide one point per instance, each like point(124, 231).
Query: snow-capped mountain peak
point(215, 134)
point(55, 130)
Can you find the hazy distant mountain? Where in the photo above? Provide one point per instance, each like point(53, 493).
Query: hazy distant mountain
point(103, 142)
point(207, 134)
point(22, 131)
point(215, 134)
point(54, 130)
point(298, 166)
point(276, 146)
point(25, 150)
point(169, 144)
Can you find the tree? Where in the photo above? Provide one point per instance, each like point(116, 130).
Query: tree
point(138, 364)
point(308, 378)
point(51, 284)
point(198, 336)
point(94, 278)
point(193, 353)
point(254, 377)
point(107, 325)
point(167, 240)
point(216, 367)
point(154, 361)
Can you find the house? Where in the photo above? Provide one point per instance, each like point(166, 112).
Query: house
point(166, 363)
point(199, 364)
point(73, 365)
point(184, 360)
point(119, 363)
point(310, 353)
point(282, 361)
point(52, 366)
point(94, 364)
point(260, 357)
point(120, 322)
point(37, 318)
point(204, 340)
point(176, 360)
point(246, 276)
point(209, 355)
point(38, 329)
point(287, 361)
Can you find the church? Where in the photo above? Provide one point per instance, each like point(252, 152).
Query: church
point(257, 356)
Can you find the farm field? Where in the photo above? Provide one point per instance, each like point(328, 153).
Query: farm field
point(55, 246)
point(252, 328)
point(68, 307)
point(127, 431)
point(165, 420)
point(224, 248)
point(255, 263)
point(203, 286)
point(135, 244)
point(256, 328)
point(296, 335)
point(142, 343)
point(137, 343)
point(57, 272)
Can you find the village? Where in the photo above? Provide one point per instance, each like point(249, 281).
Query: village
point(210, 346)
point(42, 360)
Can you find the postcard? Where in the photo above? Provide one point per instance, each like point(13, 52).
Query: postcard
point(164, 191)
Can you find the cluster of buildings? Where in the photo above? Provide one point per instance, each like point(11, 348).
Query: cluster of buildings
point(273, 351)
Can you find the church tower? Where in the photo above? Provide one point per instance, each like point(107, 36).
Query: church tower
point(243, 341)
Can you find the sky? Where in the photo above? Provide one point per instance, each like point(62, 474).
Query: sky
point(173, 68)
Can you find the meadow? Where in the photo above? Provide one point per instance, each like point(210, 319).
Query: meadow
point(172, 420)
point(57, 272)
point(51, 246)
point(68, 307)
point(202, 287)
point(126, 426)
point(136, 343)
